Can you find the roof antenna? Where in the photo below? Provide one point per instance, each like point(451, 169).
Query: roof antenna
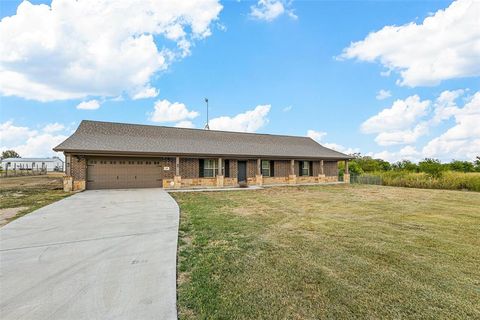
point(207, 127)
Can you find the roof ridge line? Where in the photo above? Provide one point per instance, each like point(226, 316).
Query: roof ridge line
point(196, 129)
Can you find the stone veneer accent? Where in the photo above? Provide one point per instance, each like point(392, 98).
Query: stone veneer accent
point(76, 177)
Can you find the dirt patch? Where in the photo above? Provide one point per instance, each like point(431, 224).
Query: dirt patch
point(9, 213)
point(50, 182)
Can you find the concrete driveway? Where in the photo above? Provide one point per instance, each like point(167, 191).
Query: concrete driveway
point(107, 254)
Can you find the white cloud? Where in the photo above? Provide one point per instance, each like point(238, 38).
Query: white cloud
point(286, 109)
point(165, 111)
point(318, 136)
point(74, 49)
point(445, 105)
point(269, 10)
point(444, 46)
point(88, 105)
point(383, 94)
point(185, 124)
point(147, 92)
point(53, 127)
point(401, 115)
point(30, 142)
point(340, 148)
point(11, 134)
point(406, 153)
point(462, 141)
point(249, 121)
point(389, 138)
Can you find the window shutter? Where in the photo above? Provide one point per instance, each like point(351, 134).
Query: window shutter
point(202, 165)
point(226, 163)
point(300, 163)
point(311, 168)
point(272, 168)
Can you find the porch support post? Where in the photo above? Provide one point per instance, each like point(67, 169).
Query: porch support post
point(220, 174)
point(292, 178)
point(321, 176)
point(259, 177)
point(346, 174)
point(220, 171)
point(177, 179)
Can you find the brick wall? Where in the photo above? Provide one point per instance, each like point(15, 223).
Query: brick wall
point(331, 168)
point(78, 168)
point(297, 168)
point(251, 168)
point(233, 169)
point(281, 168)
point(316, 168)
point(189, 168)
point(168, 162)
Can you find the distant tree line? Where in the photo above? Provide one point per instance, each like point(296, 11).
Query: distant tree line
point(433, 167)
point(9, 154)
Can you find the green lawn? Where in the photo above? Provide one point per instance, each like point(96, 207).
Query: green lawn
point(28, 193)
point(329, 252)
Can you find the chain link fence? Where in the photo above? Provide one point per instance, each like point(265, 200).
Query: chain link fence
point(366, 179)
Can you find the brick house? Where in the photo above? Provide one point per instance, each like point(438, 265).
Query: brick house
point(105, 155)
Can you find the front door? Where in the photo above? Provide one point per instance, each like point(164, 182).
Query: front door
point(242, 171)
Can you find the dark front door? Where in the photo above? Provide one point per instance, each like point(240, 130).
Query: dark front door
point(242, 171)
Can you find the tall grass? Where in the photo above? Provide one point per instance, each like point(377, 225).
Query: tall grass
point(449, 180)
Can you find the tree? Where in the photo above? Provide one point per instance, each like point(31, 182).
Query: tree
point(432, 167)
point(405, 165)
point(368, 164)
point(461, 166)
point(353, 168)
point(10, 154)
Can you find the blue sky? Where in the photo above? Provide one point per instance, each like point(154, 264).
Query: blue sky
point(285, 67)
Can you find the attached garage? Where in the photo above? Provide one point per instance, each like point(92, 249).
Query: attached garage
point(121, 173)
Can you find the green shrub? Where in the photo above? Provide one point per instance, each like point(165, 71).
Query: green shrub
point(448, 180)
point(431, 167)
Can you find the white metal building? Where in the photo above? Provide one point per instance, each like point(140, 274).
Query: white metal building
point(48, 164)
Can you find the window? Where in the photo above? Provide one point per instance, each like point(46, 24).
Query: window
point(210, 168)
point(265, 168)
point(305, 167)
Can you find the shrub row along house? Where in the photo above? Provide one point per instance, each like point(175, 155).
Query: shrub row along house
point(105, 155)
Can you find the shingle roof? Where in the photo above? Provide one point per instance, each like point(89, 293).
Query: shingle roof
point(109, 137)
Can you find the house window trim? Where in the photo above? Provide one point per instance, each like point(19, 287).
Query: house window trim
point(214, 168)
point(302, 168)
point(266, 171)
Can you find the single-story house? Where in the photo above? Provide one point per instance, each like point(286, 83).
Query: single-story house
point(44, 164)
point(105, 155)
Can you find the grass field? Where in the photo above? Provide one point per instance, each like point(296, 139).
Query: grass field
point(22, 195)
point(329, 252)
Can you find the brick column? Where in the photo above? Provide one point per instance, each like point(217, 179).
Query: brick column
point(292, 178)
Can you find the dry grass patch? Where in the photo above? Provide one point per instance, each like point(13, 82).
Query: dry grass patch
point(329, 252)
point(22, 195)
